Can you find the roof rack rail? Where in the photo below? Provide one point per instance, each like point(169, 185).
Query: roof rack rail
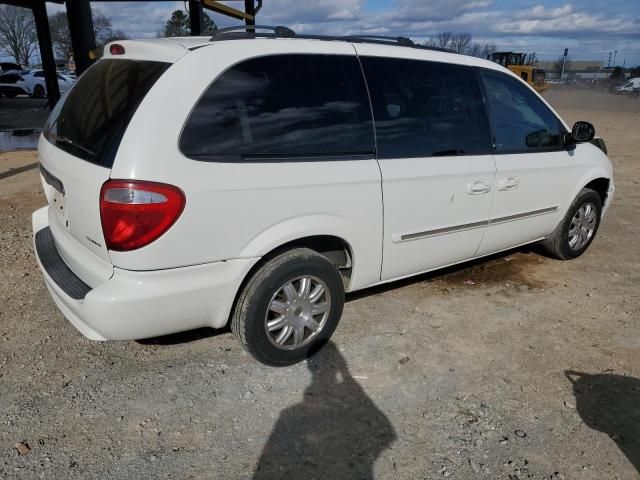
point(279, 31)
point(243, 31)
point(404, 41)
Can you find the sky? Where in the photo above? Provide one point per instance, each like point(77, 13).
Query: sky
point(590, 29)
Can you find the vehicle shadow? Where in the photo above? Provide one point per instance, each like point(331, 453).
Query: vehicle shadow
point(335, 432)
point(186, 337)
point(534, 250)
point(610, 404)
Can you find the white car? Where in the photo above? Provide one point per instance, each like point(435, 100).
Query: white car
point(13, 84)
point(36, 85)
point(195, 182)
point(631, 87)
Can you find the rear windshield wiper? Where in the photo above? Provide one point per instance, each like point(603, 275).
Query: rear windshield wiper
point(68, 141)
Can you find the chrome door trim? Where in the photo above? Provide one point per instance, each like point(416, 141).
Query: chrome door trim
point(519, 216)
point(405, 237)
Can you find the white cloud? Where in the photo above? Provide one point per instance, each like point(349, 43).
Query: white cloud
point(416, 18)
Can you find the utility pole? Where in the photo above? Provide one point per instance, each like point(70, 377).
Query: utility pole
point(609, 61)
point(615, 54)
point(564, 61)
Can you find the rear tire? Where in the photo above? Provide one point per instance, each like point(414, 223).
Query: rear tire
point(289, 307)
point(38, 91)
point(578, 228)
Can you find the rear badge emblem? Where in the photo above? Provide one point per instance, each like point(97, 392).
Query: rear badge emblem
point(93, 241)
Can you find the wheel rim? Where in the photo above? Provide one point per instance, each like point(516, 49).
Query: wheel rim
point(297, 312)
point(38, 92)
point(583, 224)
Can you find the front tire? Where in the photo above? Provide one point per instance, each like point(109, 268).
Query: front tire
point(574, 234)
point(289, 307)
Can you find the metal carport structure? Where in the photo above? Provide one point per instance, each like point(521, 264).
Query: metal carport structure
point(82, 36)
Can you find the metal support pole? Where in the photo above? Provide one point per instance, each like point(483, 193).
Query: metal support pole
point(195, 17)
point(250, 9)
point(46, 52)
point(564, 61)
point(83, 38)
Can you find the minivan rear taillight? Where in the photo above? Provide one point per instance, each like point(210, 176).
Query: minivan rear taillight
point(134, 213)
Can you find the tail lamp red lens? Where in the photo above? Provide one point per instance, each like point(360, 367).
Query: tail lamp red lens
point(116, 49)
point(134, 213)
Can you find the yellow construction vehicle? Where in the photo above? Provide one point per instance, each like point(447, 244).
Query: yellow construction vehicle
point(516, 62)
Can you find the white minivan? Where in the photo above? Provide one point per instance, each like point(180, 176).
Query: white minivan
point(254, 178)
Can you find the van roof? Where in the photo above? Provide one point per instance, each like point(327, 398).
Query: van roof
point(173, 48)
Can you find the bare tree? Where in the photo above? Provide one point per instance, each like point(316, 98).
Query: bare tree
point(443, 39)
point(460, 42)
point(488, 49)
point(474, 49)
point(60, 36)
point(18, 36)
point(480, 50)
point(116, 35)
point(102, 29)
point(531, 58)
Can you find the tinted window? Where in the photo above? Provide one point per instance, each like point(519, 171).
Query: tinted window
point(282, 106)
point(38, 74)
point(521, 121)
point(90, 122)
point(424, 109)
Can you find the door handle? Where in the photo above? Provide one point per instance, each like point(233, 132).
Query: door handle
point(478, 187)
point(508, 183)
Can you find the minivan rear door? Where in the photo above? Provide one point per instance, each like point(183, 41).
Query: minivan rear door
point(76, 153)
point(434, 152)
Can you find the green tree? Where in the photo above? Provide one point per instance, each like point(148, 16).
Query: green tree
point(179, 25)
point(208, 25)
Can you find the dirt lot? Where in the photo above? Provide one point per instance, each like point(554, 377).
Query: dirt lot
point(532, 372)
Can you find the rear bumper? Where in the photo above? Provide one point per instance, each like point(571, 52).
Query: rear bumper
point(133, 305)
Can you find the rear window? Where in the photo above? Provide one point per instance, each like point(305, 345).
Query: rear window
point(283, 106)
point(90, 121)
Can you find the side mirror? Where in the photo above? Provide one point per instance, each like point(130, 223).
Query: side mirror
point(582, 132)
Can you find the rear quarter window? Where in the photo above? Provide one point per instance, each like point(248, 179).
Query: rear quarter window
point(91, 120)
point(282, 106)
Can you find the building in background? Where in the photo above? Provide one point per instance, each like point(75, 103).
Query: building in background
point(576, 69)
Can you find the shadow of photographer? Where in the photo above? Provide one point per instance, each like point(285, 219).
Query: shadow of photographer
point(610, 404)
point(336, 431)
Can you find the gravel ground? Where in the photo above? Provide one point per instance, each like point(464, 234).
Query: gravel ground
point(530, 371)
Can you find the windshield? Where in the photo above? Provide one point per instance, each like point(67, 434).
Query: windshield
point(90, 122)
